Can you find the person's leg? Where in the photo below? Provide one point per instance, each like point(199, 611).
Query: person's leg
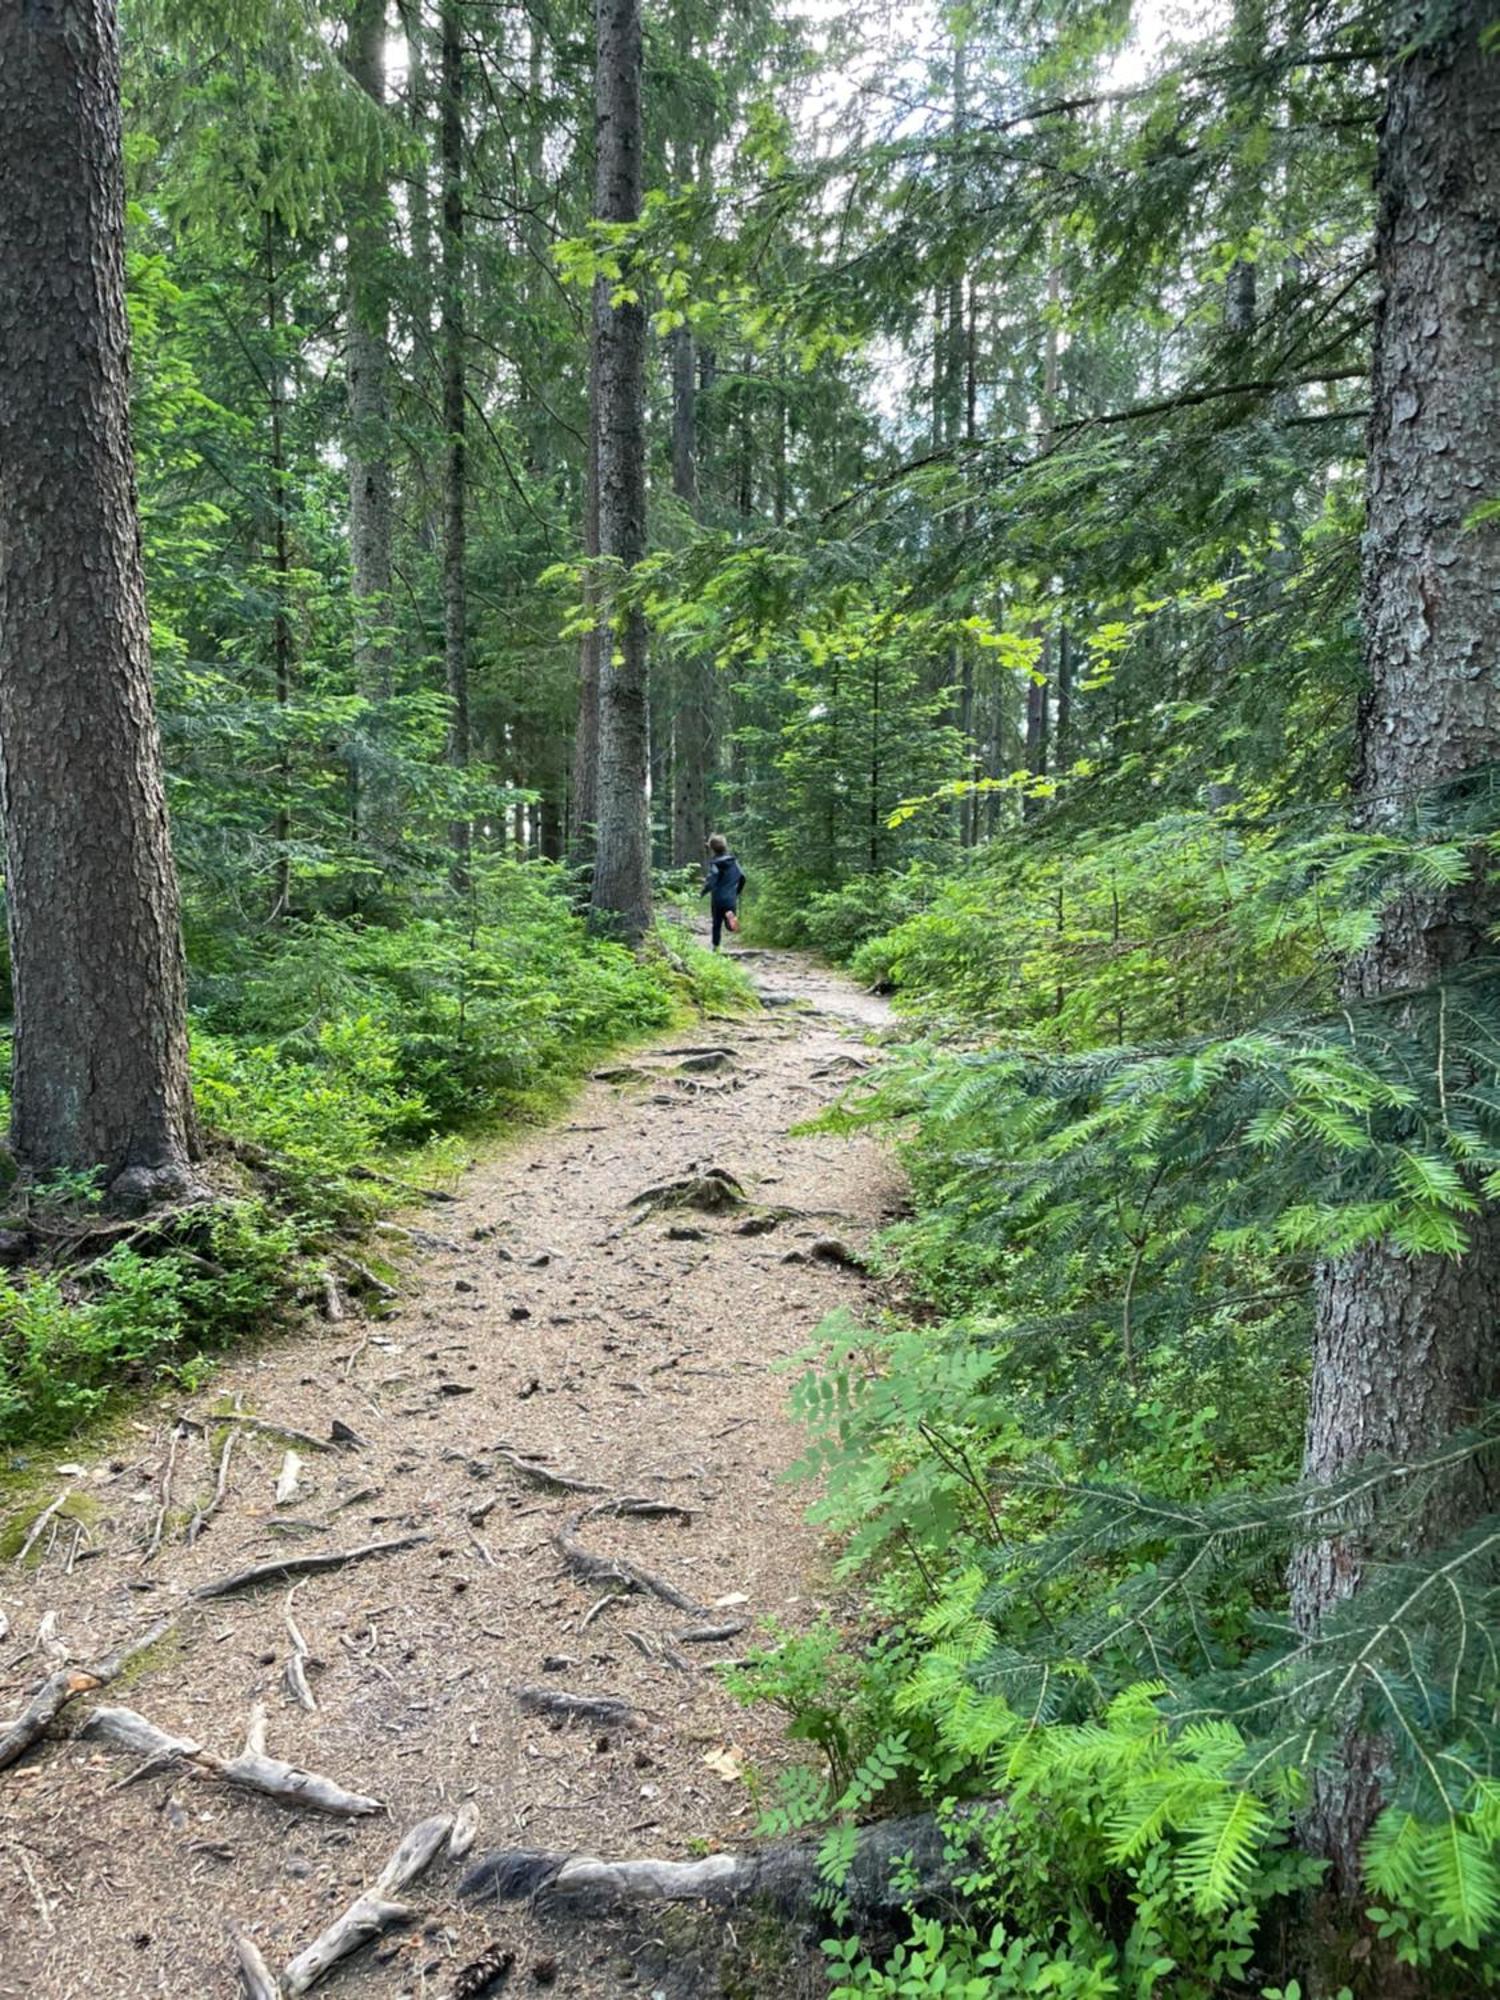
point(718, 925)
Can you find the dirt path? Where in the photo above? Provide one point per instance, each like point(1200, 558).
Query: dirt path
point(636, 1357)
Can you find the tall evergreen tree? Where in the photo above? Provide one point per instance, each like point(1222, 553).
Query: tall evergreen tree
point(622, 863)
point(100, 1064)
point(1405, 1353)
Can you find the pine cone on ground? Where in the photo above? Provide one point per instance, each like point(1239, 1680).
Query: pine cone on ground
point(484, 1974)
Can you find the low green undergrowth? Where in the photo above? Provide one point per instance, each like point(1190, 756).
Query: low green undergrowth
point(1066, 1479)
point(341, 1049)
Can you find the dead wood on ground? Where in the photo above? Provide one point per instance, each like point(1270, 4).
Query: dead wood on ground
point(253, 1770)
point(53, 1696)
point(309, 1565)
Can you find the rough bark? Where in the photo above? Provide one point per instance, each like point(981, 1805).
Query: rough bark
point(693, 712)
point(367, 362)
point(455, 416)
point(100, 1073)
point(585, 801)
point(281, 559)
point(622, 863)
point(1404, 1346)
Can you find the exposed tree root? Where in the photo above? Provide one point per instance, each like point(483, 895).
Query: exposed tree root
point(605, 1710)
point(47, 1514)
point(256, 1977)
point(401, 1187)
point(309, 1565)
point(543, 1475)
point(711, 1191)
point(616, 1570)
point(895, 1862)
point(252, 1769)
point(371, 1913)
point(53, 1696)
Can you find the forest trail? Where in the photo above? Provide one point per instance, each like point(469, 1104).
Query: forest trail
point(543, 1318)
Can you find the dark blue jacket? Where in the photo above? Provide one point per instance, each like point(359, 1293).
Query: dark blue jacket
point(726, 878)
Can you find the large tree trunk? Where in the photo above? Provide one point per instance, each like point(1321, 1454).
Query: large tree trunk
point(281, 566)
point(622, 865)
point(100, 1065)
point(1405, 1347)
point(585, 801)
point(693, 712)
point(367, 362)
point(455, 420)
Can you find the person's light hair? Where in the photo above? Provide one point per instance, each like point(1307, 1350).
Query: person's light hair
point(717, 844)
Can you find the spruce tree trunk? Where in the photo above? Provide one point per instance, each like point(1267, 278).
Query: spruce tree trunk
point(100, 1073)
point(281, 567)
point(1405, 1347)
point(693, 713)
point(367, 362)
point(585, 800)
point(455, 419)
point(622, 865)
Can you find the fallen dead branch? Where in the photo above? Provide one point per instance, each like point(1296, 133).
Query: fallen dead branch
point(896, 1862)
point(604, 1710)
point(710, 1635)
point(309, 1565)
point(179, 1432)
point(256, 1977)
point(296, 1666)
point(401, 1187)
point(371, 1913)
point(53, 1696)
point(465, 1831)
point(365, 1280)
point(252, 1770)
point(195, 1526)
point(268, 1428)
point(47, 1514)
point(615, 1569)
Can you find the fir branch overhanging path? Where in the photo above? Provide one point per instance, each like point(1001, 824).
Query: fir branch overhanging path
point(552, 1340)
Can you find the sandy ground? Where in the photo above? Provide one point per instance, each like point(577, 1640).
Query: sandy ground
point(540, 1317)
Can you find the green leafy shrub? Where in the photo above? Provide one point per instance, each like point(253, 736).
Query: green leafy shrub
point(67, 1346)
point(1070, 1484)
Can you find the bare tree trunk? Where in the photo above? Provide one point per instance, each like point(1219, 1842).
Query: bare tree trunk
point(367, 362)
point(419, 191)
point(693, 712)
point(586, 733)
point(100, 1066)
point(622, 866)
point(1037, 691)
point(1062, 746)
point(281, 565)
point(1405, 1349)
point(455, 417)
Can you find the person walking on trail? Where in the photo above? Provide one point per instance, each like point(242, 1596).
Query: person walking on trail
point(726, 879)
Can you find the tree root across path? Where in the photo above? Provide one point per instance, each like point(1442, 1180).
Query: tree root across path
point(53, 1696)
point(253, 1770)
point(369, 1916)
point(895, 1862)
point(628, 1576)
point(709, 1190)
